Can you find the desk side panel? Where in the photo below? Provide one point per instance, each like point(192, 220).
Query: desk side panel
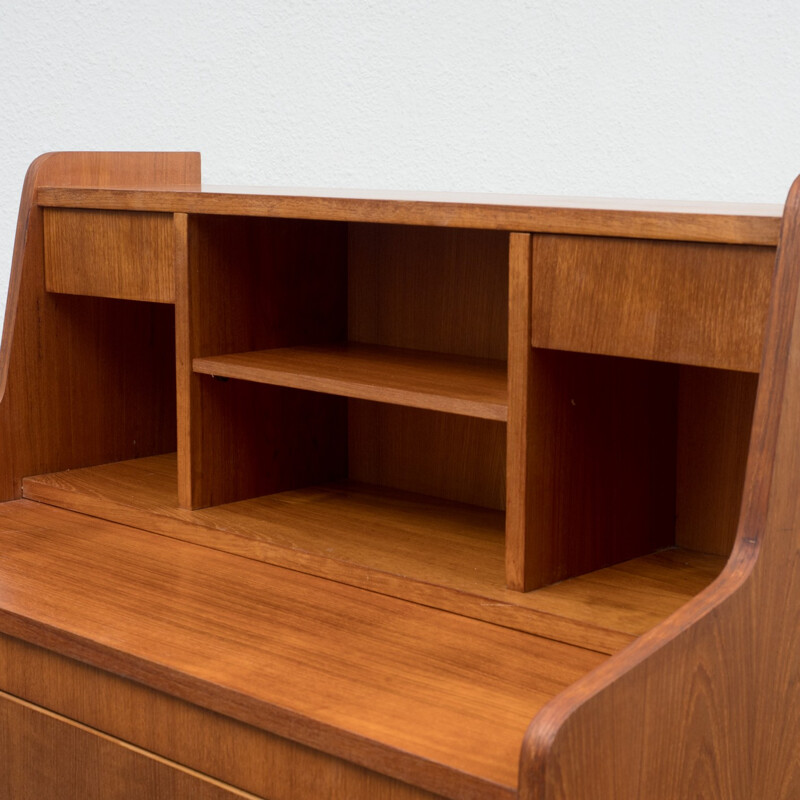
point(708, 703)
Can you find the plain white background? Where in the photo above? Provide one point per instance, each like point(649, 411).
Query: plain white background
point(673, 99)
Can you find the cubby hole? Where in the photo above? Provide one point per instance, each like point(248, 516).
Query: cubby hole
point(326, 351)
point(630, 457)
point(124, 352)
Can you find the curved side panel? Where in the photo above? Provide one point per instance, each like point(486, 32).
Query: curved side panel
point(707, 705)
point(72, 369)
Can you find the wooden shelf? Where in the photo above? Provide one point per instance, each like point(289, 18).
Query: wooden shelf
point(437, 553)
point(469, 386)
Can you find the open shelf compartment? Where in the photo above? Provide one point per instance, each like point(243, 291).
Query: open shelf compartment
point(374, 353)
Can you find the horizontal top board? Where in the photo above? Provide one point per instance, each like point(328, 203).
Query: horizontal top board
point(733, 223)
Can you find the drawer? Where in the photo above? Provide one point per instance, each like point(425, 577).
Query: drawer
point(122, 254)
point(48, 757)
point(683, 302)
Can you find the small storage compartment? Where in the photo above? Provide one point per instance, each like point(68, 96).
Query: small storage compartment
point(684, 302)
point(123, 254)
point(323, 352)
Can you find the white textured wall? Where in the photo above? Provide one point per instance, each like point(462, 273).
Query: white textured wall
point(639, 98)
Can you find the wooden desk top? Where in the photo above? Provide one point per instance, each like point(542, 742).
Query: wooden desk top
point(733, 223)
point(430, 697)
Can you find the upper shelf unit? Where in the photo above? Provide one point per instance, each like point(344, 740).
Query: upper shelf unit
point(494, 369)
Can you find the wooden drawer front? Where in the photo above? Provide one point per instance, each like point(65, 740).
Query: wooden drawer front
point(45, 756)
point(123, 254)
point(689, 303)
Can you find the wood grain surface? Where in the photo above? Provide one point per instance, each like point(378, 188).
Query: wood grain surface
point(453, 384)
point(220, 747)
point(667, 301)
point(445, 292)
point(715, 415)
point(436, 553)
point(361, 633)
point(120, 254)
point(649, 219)
point(521, 454)
point(415, 450)
point(601, 470)
point(431, 698)
point(428, 289)
point(187, 396)
point(254, 284)
point(707, 704)
point(61, 349)
point(82, 764)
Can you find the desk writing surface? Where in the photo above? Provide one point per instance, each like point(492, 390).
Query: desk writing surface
point(342, 669)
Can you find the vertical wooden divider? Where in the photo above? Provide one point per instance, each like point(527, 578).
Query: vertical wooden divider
point(518, 448)
point(183, 359)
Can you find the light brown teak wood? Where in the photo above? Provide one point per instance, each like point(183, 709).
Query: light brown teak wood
point(710, 697)
point(737, 223)
point(434, 290)
point(382, 682)
point(668, 301)
point(85, 765)
point(220, 747)
point(253, 284)
point(100, 395)
point(382, 541)
point(377, 495)
point(521, 382)
point(415, 378)
point(108, 254)
point(714, 412)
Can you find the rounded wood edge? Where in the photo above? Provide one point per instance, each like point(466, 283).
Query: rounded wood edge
point(26, 208)
point(542, 735)
point(773, 372)
point(739, 578)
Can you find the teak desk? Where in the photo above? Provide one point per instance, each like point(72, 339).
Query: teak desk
point(327, 495)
